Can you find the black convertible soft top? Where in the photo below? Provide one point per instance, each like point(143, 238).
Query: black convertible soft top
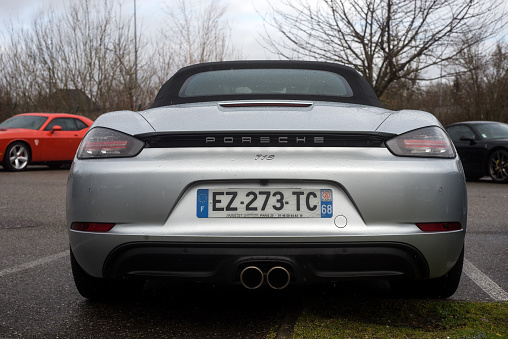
point(266, 80)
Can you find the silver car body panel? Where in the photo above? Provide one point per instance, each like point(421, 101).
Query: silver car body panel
point(321, 116)
point(378, 197)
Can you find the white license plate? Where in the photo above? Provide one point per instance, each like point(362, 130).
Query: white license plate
point(264, 203)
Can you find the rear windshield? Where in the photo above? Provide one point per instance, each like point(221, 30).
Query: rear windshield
point(24, 121)
point(266, 81)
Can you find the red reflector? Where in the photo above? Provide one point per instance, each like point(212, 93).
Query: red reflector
point(440, 226)
point(91, 226)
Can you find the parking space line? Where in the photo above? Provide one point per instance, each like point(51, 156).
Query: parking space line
point(34, 263)
point(485, 283)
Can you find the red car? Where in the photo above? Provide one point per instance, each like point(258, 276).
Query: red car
point(50, 138)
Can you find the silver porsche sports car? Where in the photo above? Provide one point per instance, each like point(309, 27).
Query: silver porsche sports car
point(266, 174)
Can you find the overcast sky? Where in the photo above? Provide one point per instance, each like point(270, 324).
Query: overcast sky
point(246, 24)
point(243, 16)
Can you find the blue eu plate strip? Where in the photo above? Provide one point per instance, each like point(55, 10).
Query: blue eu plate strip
point(326, 203)
point(202, 205)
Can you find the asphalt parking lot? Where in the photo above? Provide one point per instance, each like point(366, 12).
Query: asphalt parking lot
point(38, 298)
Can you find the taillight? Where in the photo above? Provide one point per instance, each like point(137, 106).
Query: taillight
point(102, 142)
point(427, 142)
point(91, 226)
point(439, 226)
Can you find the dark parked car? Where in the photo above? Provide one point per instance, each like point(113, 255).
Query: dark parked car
point(482, 147)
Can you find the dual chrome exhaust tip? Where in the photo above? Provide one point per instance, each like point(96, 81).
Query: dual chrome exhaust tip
point(277, 277)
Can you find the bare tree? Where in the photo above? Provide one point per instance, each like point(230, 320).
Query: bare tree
point(83, 57)
point(384, 40)
point(497, 79)
point(195, 34)
point(469, 83)
point(6, 104)
point(77, 58)
point(478, 90)
point(480, 86)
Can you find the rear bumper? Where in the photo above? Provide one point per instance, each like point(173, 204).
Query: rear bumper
point(377, 199)
point(307, 263)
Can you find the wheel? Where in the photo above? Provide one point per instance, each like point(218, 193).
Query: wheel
point(438, 288)
point(498, 166)
point(16, 157)
point(103, 289)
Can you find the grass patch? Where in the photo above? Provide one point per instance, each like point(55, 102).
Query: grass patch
point(392, 318)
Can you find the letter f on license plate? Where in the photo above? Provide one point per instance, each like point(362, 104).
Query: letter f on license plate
point(202, 205)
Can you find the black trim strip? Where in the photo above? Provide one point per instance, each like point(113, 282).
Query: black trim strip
point(311, 262)
point(271, 139)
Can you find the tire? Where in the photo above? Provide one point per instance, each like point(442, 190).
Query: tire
point(100, 289)
point(497, 166)
point(438, 288)
point(17, 157)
